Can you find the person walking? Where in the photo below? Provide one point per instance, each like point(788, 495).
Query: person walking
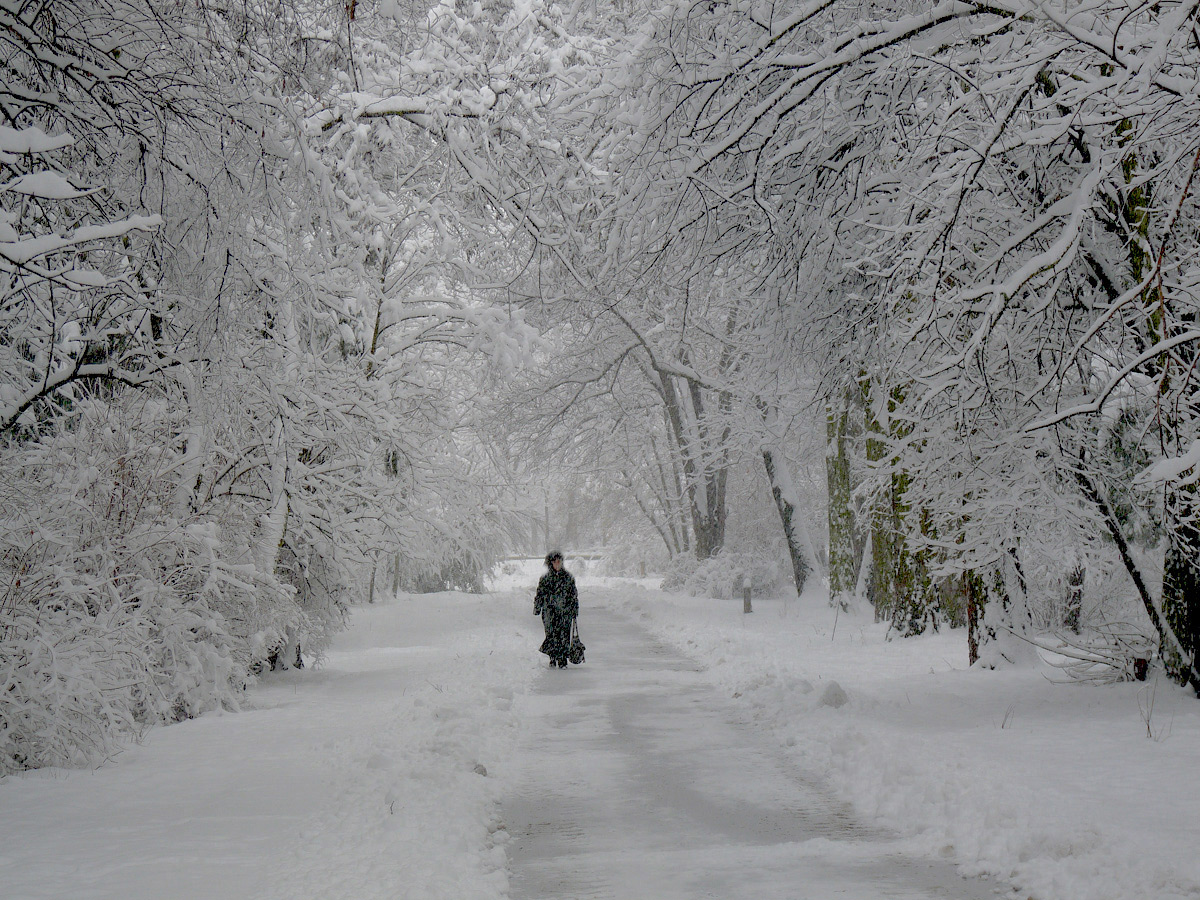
point(557, 602)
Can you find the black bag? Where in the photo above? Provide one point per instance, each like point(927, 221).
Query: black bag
point(575, 653)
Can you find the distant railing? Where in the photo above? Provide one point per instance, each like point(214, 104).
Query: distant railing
point(588, 555)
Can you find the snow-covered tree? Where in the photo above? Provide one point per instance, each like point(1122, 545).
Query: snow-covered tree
point(241, 353)
point(943, 194)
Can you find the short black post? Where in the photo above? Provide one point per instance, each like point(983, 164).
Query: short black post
point(746, 608)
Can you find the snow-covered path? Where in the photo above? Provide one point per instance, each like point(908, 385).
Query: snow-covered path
point(640, 780)
point(356, 780)
point(432, 756)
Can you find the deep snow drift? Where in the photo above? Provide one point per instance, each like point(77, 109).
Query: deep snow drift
point(364, 778)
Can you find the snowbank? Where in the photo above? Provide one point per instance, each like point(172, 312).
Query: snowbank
point(1066, 792)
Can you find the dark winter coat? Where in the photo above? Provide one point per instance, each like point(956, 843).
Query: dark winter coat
point(557, 591)
point(557, 602)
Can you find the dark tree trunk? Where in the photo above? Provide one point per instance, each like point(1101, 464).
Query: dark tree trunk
point(976, 596)
point(1074, 598)
point(800, 566)
point(1181, 604)
point(704, 478)
point(1179, 585)
point(845, 545)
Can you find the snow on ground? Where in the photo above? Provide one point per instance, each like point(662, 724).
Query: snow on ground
point(358, 779)
point(1065, 791)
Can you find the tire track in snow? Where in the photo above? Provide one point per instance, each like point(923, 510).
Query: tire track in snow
point(637, 780)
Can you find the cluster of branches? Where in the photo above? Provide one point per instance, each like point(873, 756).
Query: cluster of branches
point(982, 220)
point(971, 227)
point(241, 334)
point(244, 254)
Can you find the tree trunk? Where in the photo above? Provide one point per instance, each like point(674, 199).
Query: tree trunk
point(704, 484)
point(1181, 603)
point(1178, 584)
point(904, 592)
point(800, 566)
point(273, 521)
point(975, 591)
point(272, 527)
point(1074, 598)
point(844, 549)
point(1179, 624)
point(888, 551)
point(195, 442)
point(570, 525)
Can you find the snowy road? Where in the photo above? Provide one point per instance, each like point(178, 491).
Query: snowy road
point(638, 781)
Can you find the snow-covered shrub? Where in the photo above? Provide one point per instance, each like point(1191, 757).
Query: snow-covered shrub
point(676, 571)
point(84, 663)
point(321, 592)
point(634, 557)
point(618, 565)
point(456, 553)
point(721, 577)
point(68, 678)
point(465, 573)
point(112, 611)
point(1091, 624)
